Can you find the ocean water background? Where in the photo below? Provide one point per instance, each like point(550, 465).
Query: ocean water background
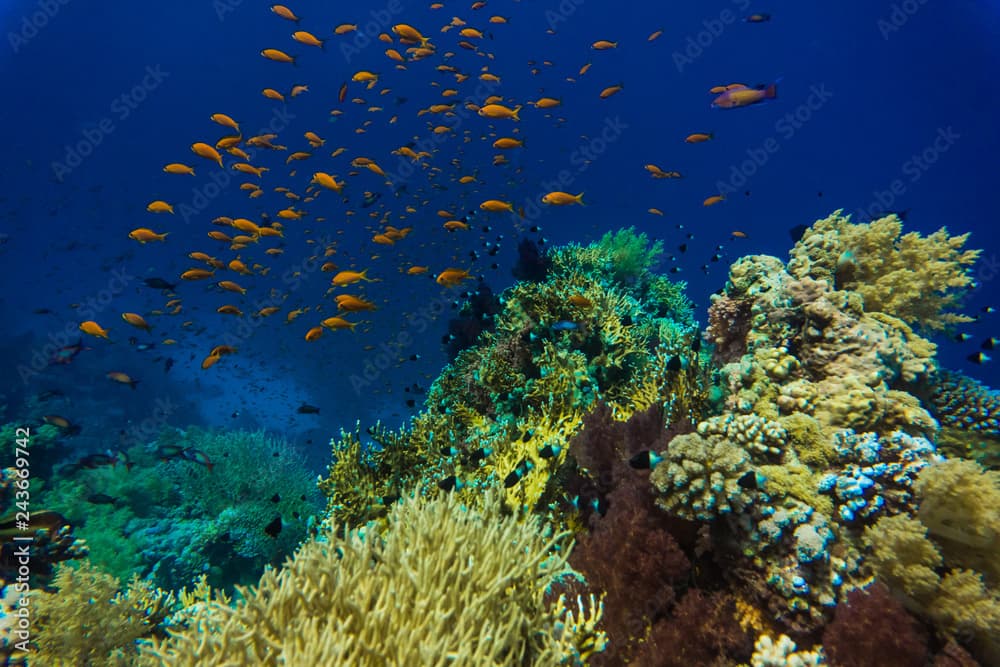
point(881, 106)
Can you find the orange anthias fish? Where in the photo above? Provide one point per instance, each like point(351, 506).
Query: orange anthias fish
point(743, 96)
point(123, 378)
point(452, 277)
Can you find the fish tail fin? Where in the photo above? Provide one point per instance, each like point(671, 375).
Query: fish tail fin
point(771, 91)
point(579, 199)
point(516, 110)
point(132, 384)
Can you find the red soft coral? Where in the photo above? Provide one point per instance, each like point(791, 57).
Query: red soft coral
point(702, 630)
point(873, 628)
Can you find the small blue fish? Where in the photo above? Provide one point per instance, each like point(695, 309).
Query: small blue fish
point(565, 325)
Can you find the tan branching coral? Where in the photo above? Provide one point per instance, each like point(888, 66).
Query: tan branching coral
point(443, 584)
point(90, 623)
point(919, 279)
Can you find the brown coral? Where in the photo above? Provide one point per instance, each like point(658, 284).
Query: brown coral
point(728, 326)
point(873, 628)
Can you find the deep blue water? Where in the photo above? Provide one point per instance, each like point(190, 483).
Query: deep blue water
point(873, 96)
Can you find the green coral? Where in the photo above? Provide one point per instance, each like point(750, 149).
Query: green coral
point(441, 583)
point(177, 518)
point(527, 385)
point(919, 279)
point(622, 256)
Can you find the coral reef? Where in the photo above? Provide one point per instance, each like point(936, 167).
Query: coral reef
point(701, 630)
point(969, 414)
point(53, 539)
point(871, 627)
point(443, 582)
point(700, 478)
point(599, 328)
point(630, 550)
point(918, 279)
point(782, 653)
point(89, 622)
point(181, 519)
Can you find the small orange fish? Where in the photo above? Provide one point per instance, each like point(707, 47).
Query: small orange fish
point(611, 90)
point(144, 235)
point(314, 334)
point(159, 206)
point(603, 45)
point(351, 303)
point(345, 278)
point(208, 152)
point(178, 168)
point(230, 286)
point(496, 206)
point(136, 320)
point(335, 323)
point(277, 56)
point(225, 121)
point(122, 378)
point(94, 329)
point(197, 274)
point(499, 111)
point(284, 12)
point(713, 200)
point(698, 137)
point(452, 277)
point(562, 199)
point(307, 38)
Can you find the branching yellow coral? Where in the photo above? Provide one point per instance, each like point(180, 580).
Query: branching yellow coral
point(919, 279)
point(442, 584)
point(90, 623)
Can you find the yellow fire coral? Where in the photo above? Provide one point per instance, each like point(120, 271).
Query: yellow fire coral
point(919, 279)
point(442, 584)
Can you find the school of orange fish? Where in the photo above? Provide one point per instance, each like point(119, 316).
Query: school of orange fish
point(406, 46)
